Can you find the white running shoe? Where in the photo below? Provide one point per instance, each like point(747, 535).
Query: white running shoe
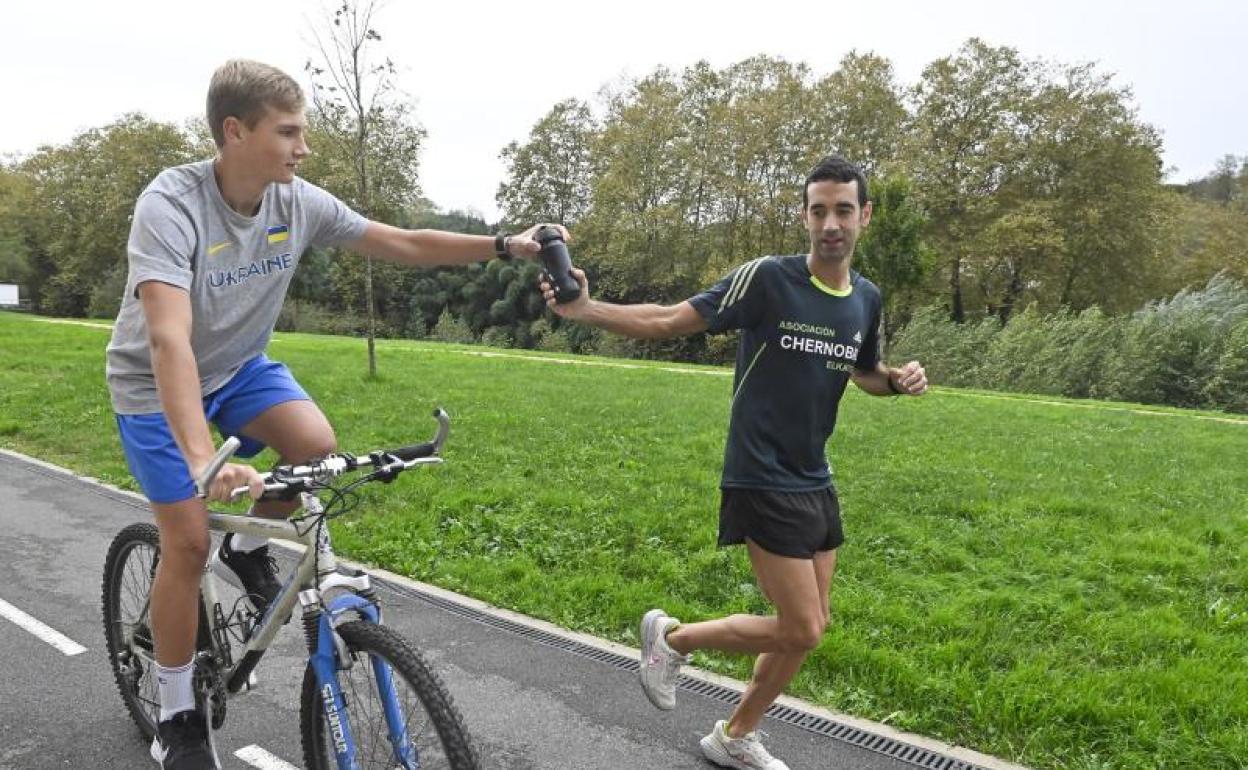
point(744, 753)
point(660, 664)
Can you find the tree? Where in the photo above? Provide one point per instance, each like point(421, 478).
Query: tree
point(774, 141)
point(1099, 167)
point(636, 211)
point(81, 197)
point(892, 252)
point(966, 139)
point(1002, 148)
point(1205, 238)
point(861, 110)
point(1226, 184)
point(372, 146)
point(1013, 257)
point(548, 177)
point(15, 265)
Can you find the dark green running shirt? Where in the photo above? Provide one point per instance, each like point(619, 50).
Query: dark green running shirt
point(799, 342)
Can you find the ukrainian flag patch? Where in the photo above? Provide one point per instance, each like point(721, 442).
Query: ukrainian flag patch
point(278, 233)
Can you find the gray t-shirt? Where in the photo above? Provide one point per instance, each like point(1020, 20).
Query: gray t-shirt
point(235, 268)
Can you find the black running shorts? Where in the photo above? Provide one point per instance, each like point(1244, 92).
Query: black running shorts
point(794, 524)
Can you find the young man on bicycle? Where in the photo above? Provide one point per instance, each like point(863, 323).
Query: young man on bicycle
point(809, 324)
point(212, 249)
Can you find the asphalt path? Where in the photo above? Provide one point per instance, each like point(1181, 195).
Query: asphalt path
point(528, 703)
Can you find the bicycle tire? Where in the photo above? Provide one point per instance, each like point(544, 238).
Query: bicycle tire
point(129, 570)
point(446, 746)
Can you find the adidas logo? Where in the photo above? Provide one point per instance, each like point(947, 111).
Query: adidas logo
point(858, 337)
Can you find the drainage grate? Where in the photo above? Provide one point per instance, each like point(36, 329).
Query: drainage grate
point(891, 747)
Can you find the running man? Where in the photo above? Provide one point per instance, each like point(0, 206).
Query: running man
point(212, 249)
point(809, 324)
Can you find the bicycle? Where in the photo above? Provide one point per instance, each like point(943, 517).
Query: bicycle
point(351, 715)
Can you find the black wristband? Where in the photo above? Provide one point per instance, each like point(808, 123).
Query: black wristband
point(893, 387)
point(500, 246)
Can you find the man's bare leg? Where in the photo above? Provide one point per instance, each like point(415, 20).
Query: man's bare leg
point(793, 586)
point(184, 542)
point(774, 670)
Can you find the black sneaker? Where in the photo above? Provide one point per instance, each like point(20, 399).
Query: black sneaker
point(255, 572)
point(182, 743)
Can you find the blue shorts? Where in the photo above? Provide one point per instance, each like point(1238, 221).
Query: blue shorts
point(153, 454)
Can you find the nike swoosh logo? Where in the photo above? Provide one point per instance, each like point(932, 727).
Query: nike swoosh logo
point(214, 249)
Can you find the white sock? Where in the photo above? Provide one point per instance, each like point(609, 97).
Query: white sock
point(175, 689)
point(247, 543)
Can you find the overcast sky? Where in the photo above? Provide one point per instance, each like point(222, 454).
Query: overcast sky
point(481, 73)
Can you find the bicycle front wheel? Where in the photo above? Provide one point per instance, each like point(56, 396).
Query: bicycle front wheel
point(434, 729)
point(129, 570)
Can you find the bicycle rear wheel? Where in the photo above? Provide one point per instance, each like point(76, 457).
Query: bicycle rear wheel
point(128, 573)
point(434, 727)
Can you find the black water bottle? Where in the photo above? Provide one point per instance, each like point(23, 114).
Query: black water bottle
point(557, 263)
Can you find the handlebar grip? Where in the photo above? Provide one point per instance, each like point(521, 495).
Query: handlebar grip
point(214, 465)
point(415, 451)
point(428, 448)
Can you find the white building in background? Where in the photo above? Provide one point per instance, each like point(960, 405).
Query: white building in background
point(8, 295)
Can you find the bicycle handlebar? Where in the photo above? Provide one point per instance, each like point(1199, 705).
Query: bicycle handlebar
point(282, 478)
point(214, 466)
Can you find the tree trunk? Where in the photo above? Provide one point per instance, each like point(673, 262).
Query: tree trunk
point(1013, 292)
point(957, 312)
point(366, 198)
point(372, 317)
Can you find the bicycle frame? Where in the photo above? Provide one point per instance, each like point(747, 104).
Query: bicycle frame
point(283, 604)
point(314, 576)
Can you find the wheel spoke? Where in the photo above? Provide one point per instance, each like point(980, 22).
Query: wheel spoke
point(433, 727)
point(129, 572)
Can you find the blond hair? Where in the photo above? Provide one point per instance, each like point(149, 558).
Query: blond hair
point(245, 90)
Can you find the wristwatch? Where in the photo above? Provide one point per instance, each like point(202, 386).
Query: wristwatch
point(501, 242)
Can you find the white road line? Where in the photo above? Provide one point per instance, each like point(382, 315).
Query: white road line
point(51, 636)
point(258, 757)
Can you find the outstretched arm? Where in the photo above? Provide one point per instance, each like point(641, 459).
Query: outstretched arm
point(647, 322)
point(431, 248)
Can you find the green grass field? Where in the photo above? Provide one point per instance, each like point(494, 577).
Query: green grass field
point(1058, 585)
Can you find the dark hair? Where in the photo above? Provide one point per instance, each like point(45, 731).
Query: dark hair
point(836, 169)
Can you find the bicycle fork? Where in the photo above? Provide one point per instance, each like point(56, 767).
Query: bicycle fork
point(329, 655)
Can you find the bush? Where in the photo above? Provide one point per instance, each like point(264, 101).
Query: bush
point(1188, 351)
point(615, 346)
point(1227, 387)
point(311, 318)
point(1153, 362)
point(720, 349)
point(554, 340)
point(1057, 354)
point(106, 296)
point(497, 337)
point(1170, 350)
point(1020, 356)
point(1088, 339)
point(951, 353)
point(451, 329)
